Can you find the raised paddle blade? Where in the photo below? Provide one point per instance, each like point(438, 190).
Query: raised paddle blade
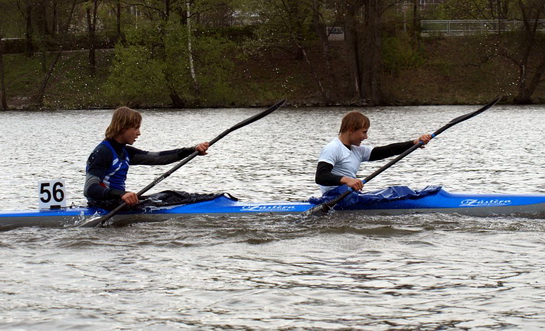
point(467, 116)
point(259, 115)
point(326, 206)
point(102, 220)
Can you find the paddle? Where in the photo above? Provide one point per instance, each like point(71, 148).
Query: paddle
point(326, 206)
point(101, 220)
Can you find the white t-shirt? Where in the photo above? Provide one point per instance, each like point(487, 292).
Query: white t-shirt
point(346, 162)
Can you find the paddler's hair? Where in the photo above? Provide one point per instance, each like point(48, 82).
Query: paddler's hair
point(353, 121)
point(123, 118)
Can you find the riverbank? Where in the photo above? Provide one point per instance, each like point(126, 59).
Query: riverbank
point(448, 71)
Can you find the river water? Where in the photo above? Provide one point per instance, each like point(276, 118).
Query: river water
point(420, 272)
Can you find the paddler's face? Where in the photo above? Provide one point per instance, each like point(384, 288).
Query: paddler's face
point(357, 136)
point(129, 135)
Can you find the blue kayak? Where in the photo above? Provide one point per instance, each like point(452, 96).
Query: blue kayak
point(395, 200)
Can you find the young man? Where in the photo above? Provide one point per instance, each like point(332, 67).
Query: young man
point(108, 164)
point(340, 159)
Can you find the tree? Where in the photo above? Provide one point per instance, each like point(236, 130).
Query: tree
point(320, 24)
point(350, 17)
point(3, 100)
point(523, 46)
point(530, 45)
point(363, 45)
point(39, 96)
point(25, 9)
point(370, 75)
point(297, 25)
point(91, 13)
point(153, 64)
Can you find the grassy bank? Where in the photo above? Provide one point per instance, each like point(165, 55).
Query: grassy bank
point(450, 71)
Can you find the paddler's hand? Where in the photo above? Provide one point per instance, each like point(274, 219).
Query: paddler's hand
point(425, 138)
point(202, 148)
point(354, 183)
point(130, 198)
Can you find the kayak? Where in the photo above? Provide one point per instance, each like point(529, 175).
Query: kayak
point(384, 202)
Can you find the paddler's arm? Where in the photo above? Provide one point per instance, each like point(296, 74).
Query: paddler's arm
point(94, 190)
point(326, 178)
point(138, 156)
point(382, 152)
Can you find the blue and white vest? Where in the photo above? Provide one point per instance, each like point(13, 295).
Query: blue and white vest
point(117, 172)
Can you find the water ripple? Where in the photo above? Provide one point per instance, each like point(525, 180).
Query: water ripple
point(341, 271)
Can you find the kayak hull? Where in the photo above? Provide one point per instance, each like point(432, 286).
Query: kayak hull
point(443, 202)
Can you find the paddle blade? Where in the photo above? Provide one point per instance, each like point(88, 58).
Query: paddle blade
point(92, 223)
point(100, 221)
point(96, 222)
point(260, 115)
point(468, 116)
point(326, 206)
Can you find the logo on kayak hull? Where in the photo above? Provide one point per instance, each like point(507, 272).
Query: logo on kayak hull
point(484, 202)
point(268, 208)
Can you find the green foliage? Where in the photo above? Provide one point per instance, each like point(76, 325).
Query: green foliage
point(11, 23)
point(214, 69)
point(71, 85)
point(284, 22)
point(137, 72)
point(21, 72)
point(154, 62)
point(398, 54)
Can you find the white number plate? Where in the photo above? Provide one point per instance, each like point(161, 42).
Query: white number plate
point(52, 194)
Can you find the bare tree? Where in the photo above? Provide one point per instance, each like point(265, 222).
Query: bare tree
point(363, 47)
point(2, 81)
point(39, 97)
point(532, 12)
point(91, 12)
point(25, 8)
point(371, 59)
point(350, 16)
point(320, 27)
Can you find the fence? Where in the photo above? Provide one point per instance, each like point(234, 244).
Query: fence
point(465, 27)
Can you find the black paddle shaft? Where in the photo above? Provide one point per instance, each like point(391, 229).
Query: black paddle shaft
point(326, 206)
point(101, 220)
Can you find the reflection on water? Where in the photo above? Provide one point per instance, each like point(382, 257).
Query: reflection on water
point(268, 271)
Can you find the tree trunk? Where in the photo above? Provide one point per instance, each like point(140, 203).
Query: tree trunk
point(3, 99)
point(351, 53)
point(320, 29)
point(314, 73)
point(415, 33)
point(29, 48)
point(531, 14)
point(190, 49)
point(39, 97)
point(40, 18)
point(527, 89)
point(177, 102)
point(370, 75)
point(119, 36)
point(91, 28)
point(54, 23)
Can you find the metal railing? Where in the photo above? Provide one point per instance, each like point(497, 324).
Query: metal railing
point(465, 27)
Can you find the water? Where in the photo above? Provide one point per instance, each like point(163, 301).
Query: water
point(341, 271)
